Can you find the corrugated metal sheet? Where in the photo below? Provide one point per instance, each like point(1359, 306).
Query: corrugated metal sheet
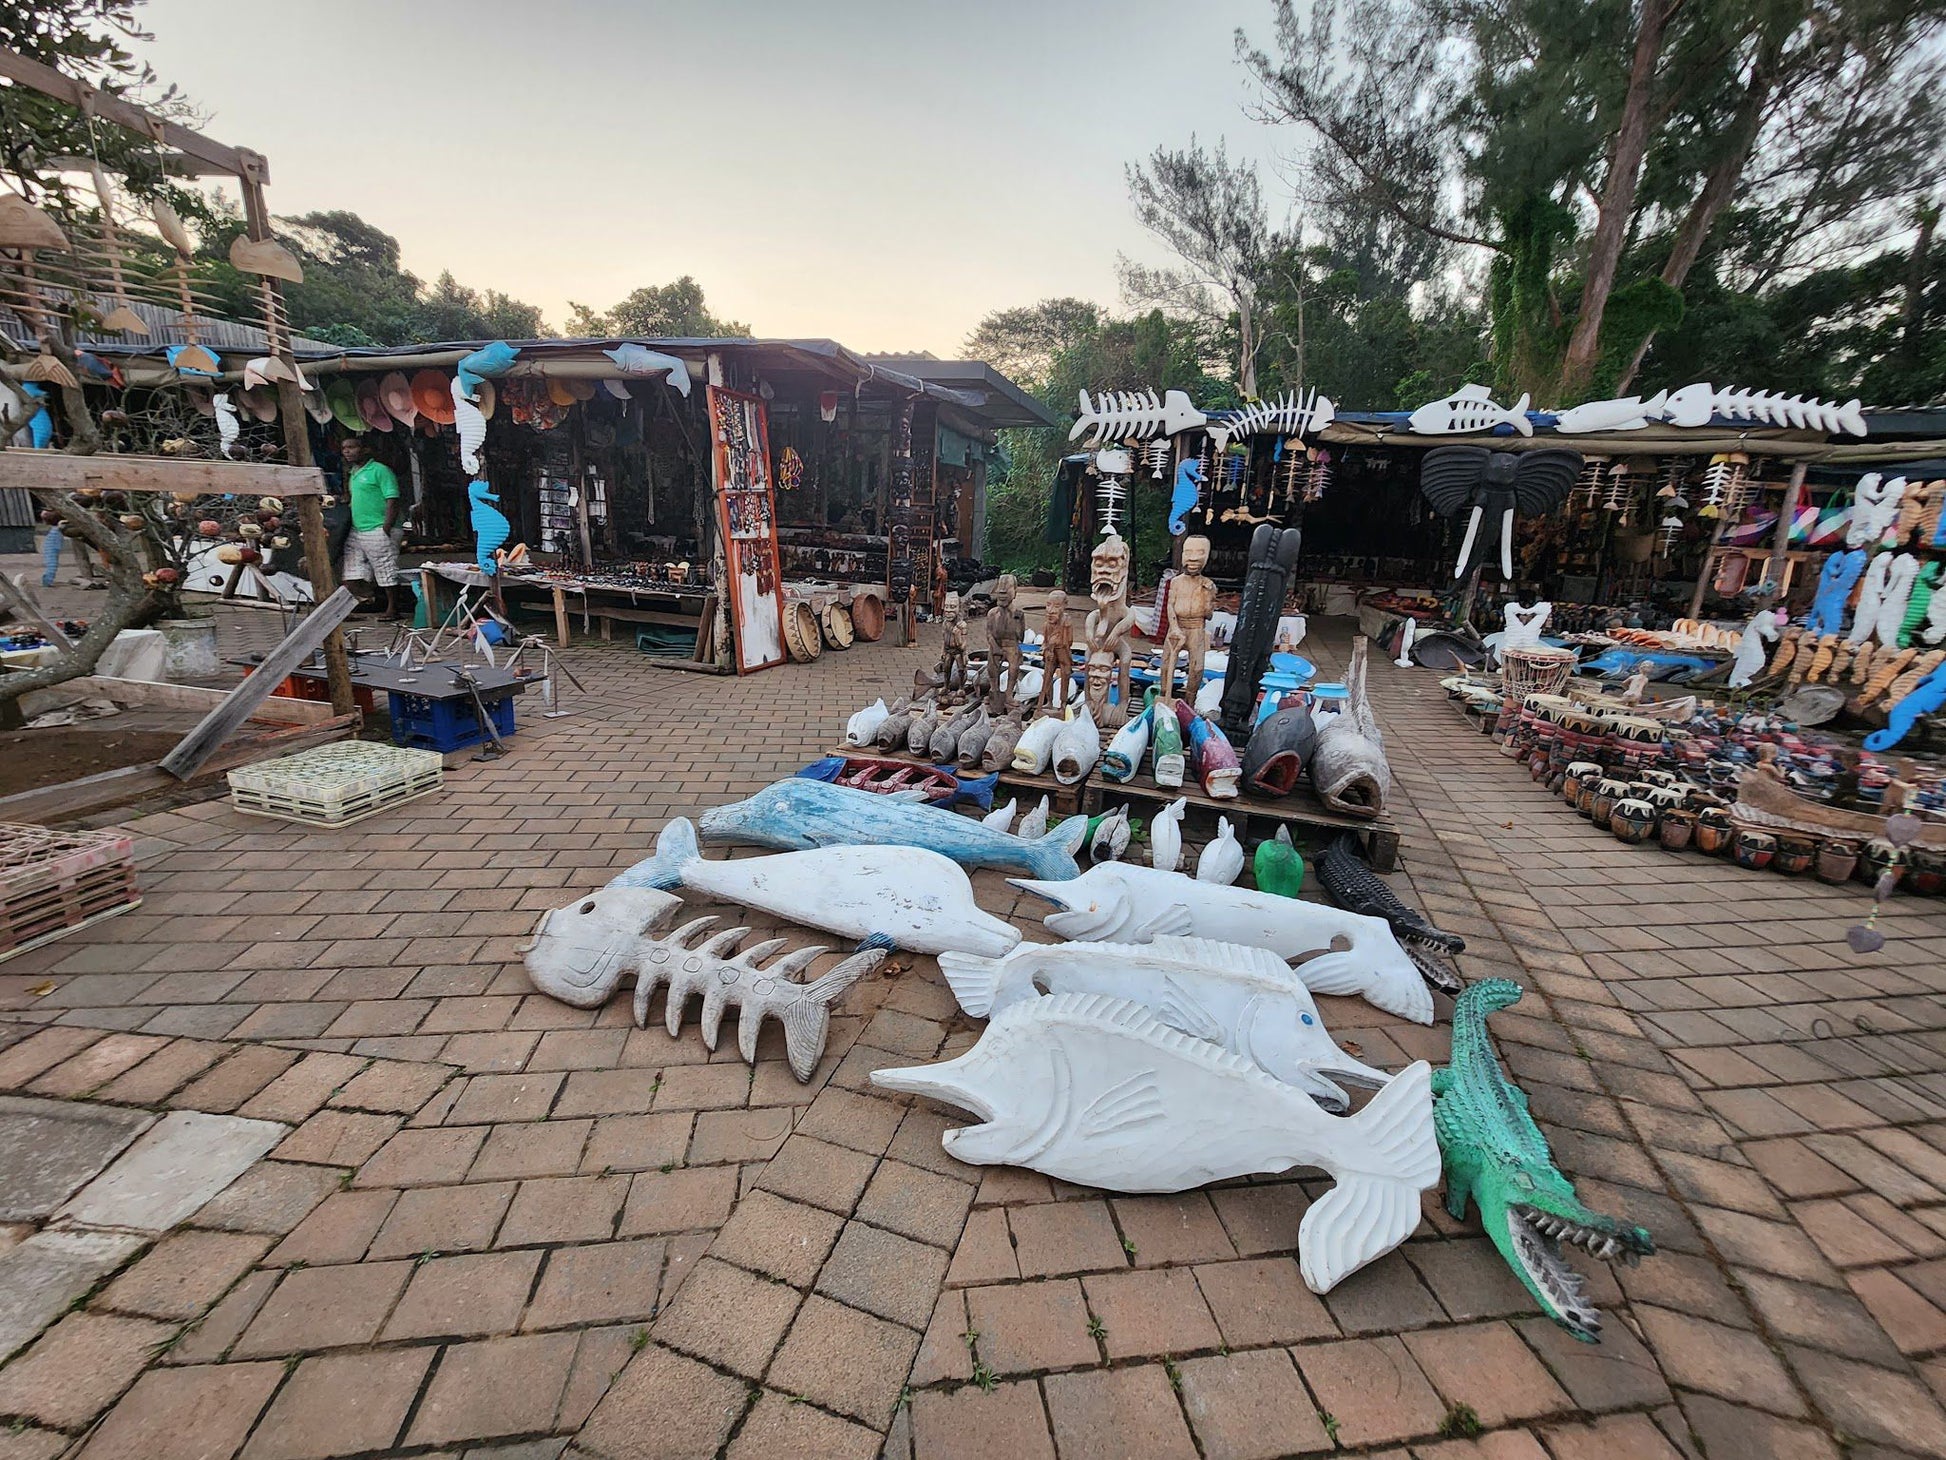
point(166, 328)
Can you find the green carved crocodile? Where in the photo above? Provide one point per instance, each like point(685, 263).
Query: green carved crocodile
point(1497, 1158)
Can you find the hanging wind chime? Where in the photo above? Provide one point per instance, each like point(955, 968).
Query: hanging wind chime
point(1317, 475)
point(1725, 485)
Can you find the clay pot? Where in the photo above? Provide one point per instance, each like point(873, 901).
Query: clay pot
point(1795, 853)
point(1633, 820)
point(1880, 857)
point(1677, 830)
point(1578, 772)
point(1755, 849)
point(1699, 799)
point(1602, 805)
point(1713, 830)
point(1925, 872)
point(1836, 860)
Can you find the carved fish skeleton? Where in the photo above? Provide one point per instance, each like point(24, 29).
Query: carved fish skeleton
point(1124, 415)
point(1293, 415)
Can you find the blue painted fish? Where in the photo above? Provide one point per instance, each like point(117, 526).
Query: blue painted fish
point(797, 815)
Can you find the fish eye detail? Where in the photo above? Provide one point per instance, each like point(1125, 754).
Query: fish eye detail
point(586, 908)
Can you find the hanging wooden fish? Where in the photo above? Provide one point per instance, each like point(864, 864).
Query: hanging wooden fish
point(471, 424)
point(1455, 478)
point(1135, 415)
point(1466, 410)
point(633, 359)
point(1627, 413)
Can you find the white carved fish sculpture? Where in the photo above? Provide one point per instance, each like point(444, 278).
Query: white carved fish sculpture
point(1700, 403)
point(581, 953)
point(1100, 1092)
point(1121, 903)
point(1221, 861)
point(1293, 415)
point(1468, 409)
point(1076, 748)
point(902, 897)
point(1243, 999)
point(861, 727)
point(1626, 413)
point(1165, 836)
point(1034, 824)
point(1125, 415)
point(1001, 817)
point(1036, 745)
point(633, 359)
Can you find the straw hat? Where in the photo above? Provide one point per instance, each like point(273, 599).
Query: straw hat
point(433, 396)
point(486, 400)
point(582, 389)
point(342, 397)
point(616, 389)
point(370, 407)
point(260, 401)
point(318, 408)
point(561, 392)
point(395, 394)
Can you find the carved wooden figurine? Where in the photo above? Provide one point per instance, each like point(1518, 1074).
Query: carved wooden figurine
point(1005, 625)
point(1107, 629)
point(1187, 610)
point(952, 657)
point(1057, 651)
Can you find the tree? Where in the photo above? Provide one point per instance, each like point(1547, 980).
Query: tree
point(656, 311)
point(1210, 211)
point(1023, 343)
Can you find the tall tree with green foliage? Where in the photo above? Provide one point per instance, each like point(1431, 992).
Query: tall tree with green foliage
point(657, 311)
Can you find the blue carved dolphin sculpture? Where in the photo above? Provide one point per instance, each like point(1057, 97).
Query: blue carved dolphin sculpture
point(798, 814)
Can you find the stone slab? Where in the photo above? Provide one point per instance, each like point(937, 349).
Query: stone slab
point(179, 1164)
point(41, 1277)
point(49, 1148)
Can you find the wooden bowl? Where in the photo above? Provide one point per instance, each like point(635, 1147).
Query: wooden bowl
point(801, 636)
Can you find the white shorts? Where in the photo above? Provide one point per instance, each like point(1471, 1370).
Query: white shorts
point(371, 555)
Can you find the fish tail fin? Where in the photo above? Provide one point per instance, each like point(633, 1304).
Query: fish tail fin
point(675, 848)
point(807, 1018)
point(1517, 415)
point(1068, 836)
point(1370, 1212)
point(977, 789)
point(972, 979)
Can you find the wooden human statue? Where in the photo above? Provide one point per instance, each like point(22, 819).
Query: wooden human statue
point(1187, 611)
point(952, 658)
point(1057, 652)
point(1005, 625)
point(1108, 626)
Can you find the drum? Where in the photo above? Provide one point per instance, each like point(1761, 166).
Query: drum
point(835, 622)
point(1535, 671)
point(801, 634)
point(868, 617)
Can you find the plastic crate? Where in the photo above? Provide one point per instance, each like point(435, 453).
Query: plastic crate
point(52, 882)
point(295, 687)
point(445, 725)
point(336, 784)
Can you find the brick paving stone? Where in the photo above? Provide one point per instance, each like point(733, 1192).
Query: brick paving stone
point(200, 1413)
point(1470, 1279)
point(499, 1386)
point(1863, 1401)
point(564, 1209)
point(1261, 1219)
point(607, 1092)
point(492, 1098)
point(1633, 1435)
point(162, 1073)
point(481, 1054)
point(41, 1052)
point(859, 1122)
point(392, 1086)
point(684, 1200)
point(235, 1080)
point(1687, 1284)
point(704, 1087)
point(1023, 1328)
point(1167, 1230)
point(1250, 1406)
point(841, 1359)
point(664, 1407)
point(1818, 1317)
point(578, 1049)
point(338, 1138)
point(468, 1296)
point(600, 1356)
point(819, 1173)
point(1913, 1322)
point(549, 1148)
point(341, 1404)
point(1372, 1389)
point(729, 1318)
point(1619, 1373)
point(1263, 1301)
point(1011, 1186)
point(184, 1274)
point(1151, 1313)
point(636, 1142)
point(603, 1282)
point(1696, 1354)
point(1385, 1297)
point(945, 1351)
point(1105, 1414)
point(985, 1252)
point(973, 1424)
point(782, 1239)
point(1731, 1432)
point(78, 1368)
point(737, 1135)
point(324, 1307)
point(883, 1273)
point(210, 1339)
point(443, 1219)
point(1053, 1238)
point(271, 1197)
point(423, 1157)
point(301, 1090)
point(24, 1442)
point(96, 1065)
point(1485, 1366)
point(780, 1429)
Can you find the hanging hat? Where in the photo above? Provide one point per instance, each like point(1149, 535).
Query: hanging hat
point(395, 394)
point(371, 408)
point(582, 389)
point(616, 389)
point(202, 398)
point(260, 401)
point(561, 393)
point(486, 400)
point(433, 396)
point(253, 373)
point(342, 397)
point(317, 407)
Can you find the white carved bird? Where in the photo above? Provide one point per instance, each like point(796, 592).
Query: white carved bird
point(1222, 860)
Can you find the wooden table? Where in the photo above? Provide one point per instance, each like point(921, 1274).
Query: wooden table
point(680, 607)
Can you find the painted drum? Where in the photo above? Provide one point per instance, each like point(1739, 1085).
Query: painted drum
point(1755, 849)
point(1633, 820)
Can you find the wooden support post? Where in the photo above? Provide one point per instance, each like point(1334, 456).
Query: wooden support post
point(1709, 567)
point(1780, 542)
point(297, 442)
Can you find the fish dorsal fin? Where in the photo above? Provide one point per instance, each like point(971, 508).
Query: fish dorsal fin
point(1137, 1021)
point(1472, 392)
point(1135, 1102)
point(1230, 957)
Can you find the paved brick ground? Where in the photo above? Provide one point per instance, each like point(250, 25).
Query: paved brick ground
point(499, 1227)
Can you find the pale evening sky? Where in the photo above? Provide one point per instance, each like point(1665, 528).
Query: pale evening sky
point(883, 174)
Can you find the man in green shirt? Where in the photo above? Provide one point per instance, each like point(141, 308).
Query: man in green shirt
point(371, 550)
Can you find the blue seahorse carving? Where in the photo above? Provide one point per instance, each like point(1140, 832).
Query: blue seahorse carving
point(1841, 574)
point(490, 528)
point(1926, 697)
point(1189, 483)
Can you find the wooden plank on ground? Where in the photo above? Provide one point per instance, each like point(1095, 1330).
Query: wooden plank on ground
point(55, 471)
point(223, 721)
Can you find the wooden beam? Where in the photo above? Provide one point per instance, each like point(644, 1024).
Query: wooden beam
point(239, 162)
point(56, 471)
point(223, 721)
point(21, 604)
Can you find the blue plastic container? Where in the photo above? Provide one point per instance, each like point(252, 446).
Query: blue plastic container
point(443, 725)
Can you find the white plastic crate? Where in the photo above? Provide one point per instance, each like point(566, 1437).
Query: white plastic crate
point(336, 784)
point(54, 881)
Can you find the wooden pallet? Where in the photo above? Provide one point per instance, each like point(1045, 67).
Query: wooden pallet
point(52, 882)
